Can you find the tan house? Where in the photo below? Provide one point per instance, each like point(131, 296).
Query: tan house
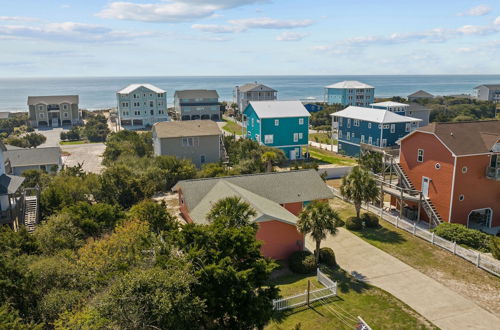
point(197, 140)
point(53, 111)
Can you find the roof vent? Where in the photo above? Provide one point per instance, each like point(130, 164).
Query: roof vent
point(451, 133)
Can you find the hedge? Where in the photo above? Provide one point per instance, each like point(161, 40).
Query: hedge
point(353, 223)
point(327, 257)
point(302, 262)
point(462, 235)
point(370, 220)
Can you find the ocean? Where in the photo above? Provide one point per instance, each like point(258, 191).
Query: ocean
point(99, 92)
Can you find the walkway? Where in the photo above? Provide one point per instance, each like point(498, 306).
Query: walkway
point(442, 306)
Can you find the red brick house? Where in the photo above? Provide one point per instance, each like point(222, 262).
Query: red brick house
point(277, 198)
point(457, 167)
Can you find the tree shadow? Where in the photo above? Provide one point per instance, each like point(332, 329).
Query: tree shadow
point(346, 282)
point(382, 234)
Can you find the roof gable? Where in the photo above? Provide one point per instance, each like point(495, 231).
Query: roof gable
point(380, 116)
point(133, 87)
point(422, 94)
point(251, 87)
point(279, 109)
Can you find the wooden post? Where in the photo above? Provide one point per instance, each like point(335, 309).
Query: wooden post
point(390, 171)
point(308, 291)
point(401, 206)
point(478, 261)
point(419, 206)
point(432, 239)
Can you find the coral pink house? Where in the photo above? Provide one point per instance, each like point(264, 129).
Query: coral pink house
point(457, 167)
point(277, 199)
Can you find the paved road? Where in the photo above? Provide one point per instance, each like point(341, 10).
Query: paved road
point(442, 306)
point(90, 155)
point(52, 135)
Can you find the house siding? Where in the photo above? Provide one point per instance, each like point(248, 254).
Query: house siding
point(193, 109)
point(294, 208)
point(279, 239)
point(440, 188)
point(350, 96)
point(209, 146)
point(478, 191)
point(145, 109)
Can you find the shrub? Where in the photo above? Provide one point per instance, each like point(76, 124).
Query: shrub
point(302, 262)
point(371, 220)
point(327, 257)
point(495, 247)
point(354, 223)
point(462, 235)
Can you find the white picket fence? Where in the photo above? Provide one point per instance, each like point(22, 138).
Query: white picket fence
point(330, 290)
point(479, 259)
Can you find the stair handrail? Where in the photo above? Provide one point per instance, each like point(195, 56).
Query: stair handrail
point(402, 175)
point(434, 217)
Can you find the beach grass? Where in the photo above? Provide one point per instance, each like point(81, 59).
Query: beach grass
point(232, 127)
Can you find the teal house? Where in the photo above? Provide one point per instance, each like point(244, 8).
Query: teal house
point(279, 124)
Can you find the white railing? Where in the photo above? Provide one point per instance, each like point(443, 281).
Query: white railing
point(330, 290)
point(479, 259)
point(362, 325)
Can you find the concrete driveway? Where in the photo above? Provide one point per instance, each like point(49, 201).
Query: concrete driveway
point(440, 305)
point(89, 154)
point(52, 135)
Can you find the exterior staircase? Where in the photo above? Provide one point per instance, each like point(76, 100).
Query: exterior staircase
point(30, 212)
point(427, 204)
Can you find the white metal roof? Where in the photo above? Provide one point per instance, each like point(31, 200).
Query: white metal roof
point(132, 87)
point(389, 104)
point(279, 109)
point(349, 84)
point(373, 115)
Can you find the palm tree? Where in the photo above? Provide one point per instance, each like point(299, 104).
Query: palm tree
point(359, 186)
point(318, 219)
point(237, 212)
point(269, 157)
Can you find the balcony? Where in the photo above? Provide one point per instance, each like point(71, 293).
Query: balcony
point(493, 173)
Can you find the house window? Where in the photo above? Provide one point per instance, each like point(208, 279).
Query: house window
point(151, 112)
point(461, 197)
point(340, 134)
point(295, 137)
point(348, 123)
point(190, 141)
point(65, 106)
point(356, 122)
point(407, 127)
point(464, 169)
point(393, 128)
point(301, 121)
point(386, 126)
point(40, 107)
point(370, 140)
point(65, 115)
point(151, 104)
point(252, 122)
point(257, 137)
point(362, 139)
point(300, 135)
point(437, 166)
point(268, 139)
point(340, 122)
point(420, 155)
point(41, 115)
point(352, 135)
point(348, 135)
point(276, 122)
point(202, 159)
point(369, 125)
point(384, 142)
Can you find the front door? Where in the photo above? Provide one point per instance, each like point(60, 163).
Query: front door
point(425, 186)
point(293, 155)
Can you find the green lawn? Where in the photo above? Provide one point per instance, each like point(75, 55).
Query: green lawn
point(72, 142)
point(330, 157)
point(321, 138)
point(354, 298)
point(451, 271)
point(232, 127)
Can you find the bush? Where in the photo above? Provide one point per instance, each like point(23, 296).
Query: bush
point(302, 262)
point(354, 223)
point(327, 257)
point(371, 220)
point(495, 247)
point(462, 235)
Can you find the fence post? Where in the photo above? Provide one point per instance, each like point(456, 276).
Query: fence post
point(432, 239)
point(397, 222)
point(308, 291)
point(454, 247)
point(478, 259)
point(414, 228)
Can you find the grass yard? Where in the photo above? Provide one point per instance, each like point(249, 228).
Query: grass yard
point(451, 271)
point(232, 127)
point(321, 138)
point(330, 157)
point(377, 307)
point(72, 142)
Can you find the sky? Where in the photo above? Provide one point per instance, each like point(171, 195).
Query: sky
point(48, 38)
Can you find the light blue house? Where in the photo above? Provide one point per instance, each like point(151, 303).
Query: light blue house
point(373, 127)
point(350, 92)
point(278, 124)
point(141, 105)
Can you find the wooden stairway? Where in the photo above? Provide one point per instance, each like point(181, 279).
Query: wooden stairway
point(30, 212)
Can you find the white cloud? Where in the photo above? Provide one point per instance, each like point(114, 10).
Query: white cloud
point(480, 10)
point(169, 10)
point(67, 32)
point(497, 21)
point(270, 23)
point(241, 25)
point(18, 19)
point(291, 36)
point(465, 50)
point(476, 30)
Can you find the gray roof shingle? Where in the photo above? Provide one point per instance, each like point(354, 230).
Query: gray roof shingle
point(197, 94)
point(33, 156)
point(53, 99)
point(174, 129)
point(9, 184)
